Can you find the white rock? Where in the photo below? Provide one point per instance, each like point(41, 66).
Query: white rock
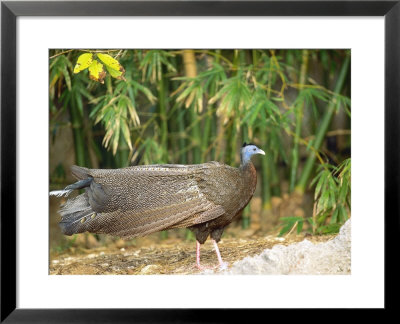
point(332, 257)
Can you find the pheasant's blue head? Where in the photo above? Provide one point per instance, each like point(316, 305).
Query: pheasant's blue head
point(248, 150)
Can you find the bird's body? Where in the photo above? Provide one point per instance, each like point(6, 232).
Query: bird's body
point(140, 200)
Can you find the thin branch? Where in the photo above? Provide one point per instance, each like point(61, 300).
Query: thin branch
point(62, 53)
point(84, 50)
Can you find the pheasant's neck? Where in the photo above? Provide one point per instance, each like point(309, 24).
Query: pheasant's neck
point(250, 175)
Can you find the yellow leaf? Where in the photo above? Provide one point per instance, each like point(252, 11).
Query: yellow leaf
point(96, 72)
point(111, 62)
point(83, 62)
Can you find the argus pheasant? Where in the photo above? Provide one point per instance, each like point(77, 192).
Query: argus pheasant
point(140, 200)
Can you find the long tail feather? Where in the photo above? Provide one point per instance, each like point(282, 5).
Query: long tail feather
point(60, 193)
point(68, 189)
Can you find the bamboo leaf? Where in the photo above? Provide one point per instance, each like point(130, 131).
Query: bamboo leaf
point(119, 75)
point(116, 127)
point(66, 77)
point(300, 226)
point(95, 110)
point(320, 185)
point(133, 113)
point(286, 229)
point(334, 217)
point(311, 221)
point(126, 134)
point(190, 99)
point(329, 229)
point(146, 91)
point(252, 114)
point(344, 214)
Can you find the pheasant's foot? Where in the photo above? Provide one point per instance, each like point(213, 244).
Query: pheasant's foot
point(203, 268)
point(223, 266)
point(198, 265)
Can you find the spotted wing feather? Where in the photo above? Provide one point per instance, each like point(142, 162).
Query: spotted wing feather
point(140, 200)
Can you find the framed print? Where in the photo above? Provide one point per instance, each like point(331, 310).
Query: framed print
point(352, 46)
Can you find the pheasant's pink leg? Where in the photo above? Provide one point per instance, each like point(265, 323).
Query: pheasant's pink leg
point(198, 265)
point(222, 264)
point(198, 256)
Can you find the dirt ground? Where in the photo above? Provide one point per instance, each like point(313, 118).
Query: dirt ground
point(170, 256)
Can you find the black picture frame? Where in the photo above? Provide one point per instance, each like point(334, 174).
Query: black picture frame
point(11, 10)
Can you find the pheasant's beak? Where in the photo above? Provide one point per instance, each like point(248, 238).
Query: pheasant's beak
point(260, 152)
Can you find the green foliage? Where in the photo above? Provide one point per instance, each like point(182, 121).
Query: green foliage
point(153, 62)
point(59, 73)
point(332, 196)
point(151, 152)
point(234, 96)
point(115, 118)
point(290, 223)
point(193, 90)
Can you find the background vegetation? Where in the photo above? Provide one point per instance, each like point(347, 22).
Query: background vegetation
point(115, 108)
